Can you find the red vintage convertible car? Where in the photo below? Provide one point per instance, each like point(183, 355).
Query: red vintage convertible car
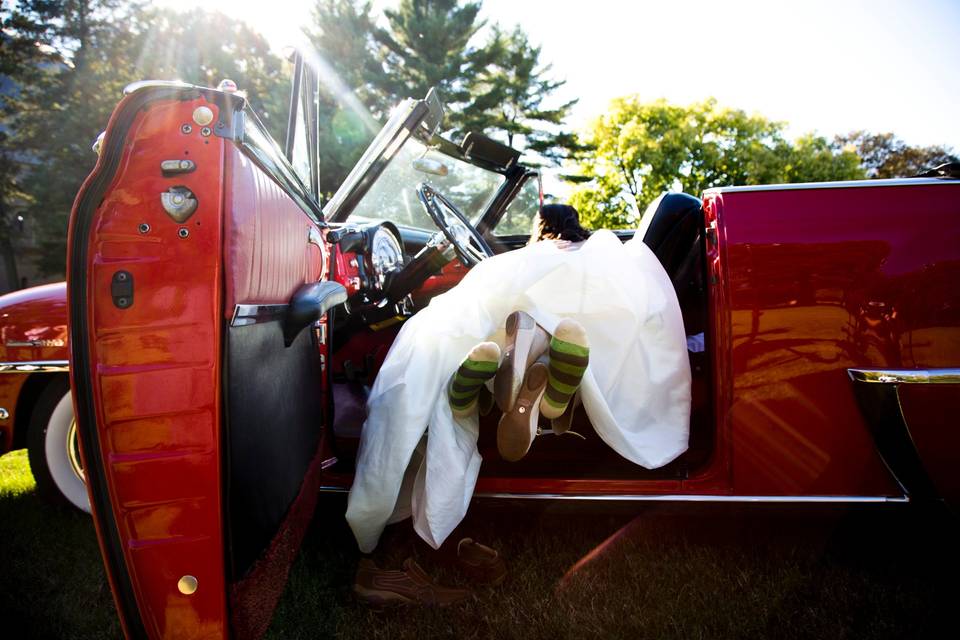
point(224, 328)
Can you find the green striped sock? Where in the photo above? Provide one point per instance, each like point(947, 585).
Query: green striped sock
point(479, 366)
point(568, 362)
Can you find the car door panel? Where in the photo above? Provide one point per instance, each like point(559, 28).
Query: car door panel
point(146, 367)
point(273, 393)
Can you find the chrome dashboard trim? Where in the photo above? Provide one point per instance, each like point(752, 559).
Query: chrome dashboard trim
point(247, 314)
point(677, 497)
point(905, 376)
point(843, 184)
point(35, 366)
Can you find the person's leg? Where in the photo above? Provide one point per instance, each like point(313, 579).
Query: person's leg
point(479, 366)
point(569, 356)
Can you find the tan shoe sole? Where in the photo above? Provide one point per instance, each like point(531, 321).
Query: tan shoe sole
point(518, 428)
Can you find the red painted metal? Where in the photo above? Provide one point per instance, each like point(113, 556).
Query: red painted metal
point(155, 372)
point(448, 277)
point(930, 412)
point(821, 280)
point(267, 252)
point(346, 269)
point(39, 316)
point(10, 387)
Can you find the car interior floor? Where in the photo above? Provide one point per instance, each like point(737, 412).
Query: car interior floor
point(582, 454)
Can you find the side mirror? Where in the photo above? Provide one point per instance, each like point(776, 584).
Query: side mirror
point(310, 303)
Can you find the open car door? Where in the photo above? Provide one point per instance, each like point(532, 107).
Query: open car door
point(197, 286)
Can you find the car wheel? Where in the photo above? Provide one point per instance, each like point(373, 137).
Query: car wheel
point(54, 450)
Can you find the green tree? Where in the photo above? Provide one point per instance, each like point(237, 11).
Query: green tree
point(638, 150)
point(345, 55)
point(813, 159)
point(62, 107)
point(342, 35)
point(883, 155)
point(511, 97)
point(427, 43)
point(25, 37)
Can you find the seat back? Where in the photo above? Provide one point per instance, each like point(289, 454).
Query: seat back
point(674, 233)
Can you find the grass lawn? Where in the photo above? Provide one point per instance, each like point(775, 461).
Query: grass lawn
point(672, 571)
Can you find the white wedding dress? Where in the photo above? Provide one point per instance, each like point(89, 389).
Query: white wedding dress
point(636, 389)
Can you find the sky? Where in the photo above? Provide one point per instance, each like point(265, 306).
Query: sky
point(824, 67)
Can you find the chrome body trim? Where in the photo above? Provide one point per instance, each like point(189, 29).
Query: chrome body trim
point(246, 314)
point(677, 497)
point(844, 184)
point(144, 84)
point(35, 343)
point(35, 366)
point(695, 498)
point(905, 376)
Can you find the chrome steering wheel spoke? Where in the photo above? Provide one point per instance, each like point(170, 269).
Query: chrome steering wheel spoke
point(469, 245)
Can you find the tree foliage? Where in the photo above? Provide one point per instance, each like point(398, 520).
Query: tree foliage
point(60, 106)
point(429, 43)
point(24, 39)
point(344, 53)
point(511, 99)
point(491, 81)
point(638, 150)
point(92, 49)
point(883, 155)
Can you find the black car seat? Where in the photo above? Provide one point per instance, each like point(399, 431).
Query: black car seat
point(674, 232)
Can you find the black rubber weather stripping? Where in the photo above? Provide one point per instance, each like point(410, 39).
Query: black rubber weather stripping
point(88, 201)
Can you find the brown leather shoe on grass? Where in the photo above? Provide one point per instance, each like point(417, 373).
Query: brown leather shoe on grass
point(383, 587)
point(480, 563)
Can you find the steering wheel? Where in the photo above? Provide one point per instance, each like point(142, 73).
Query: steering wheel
point(463, 236)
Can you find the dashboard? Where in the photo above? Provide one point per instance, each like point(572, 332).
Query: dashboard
point(388, 271)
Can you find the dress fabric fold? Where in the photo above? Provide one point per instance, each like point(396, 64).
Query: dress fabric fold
point(416, 459)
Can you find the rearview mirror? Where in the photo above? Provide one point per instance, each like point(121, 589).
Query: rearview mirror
point(431, 166)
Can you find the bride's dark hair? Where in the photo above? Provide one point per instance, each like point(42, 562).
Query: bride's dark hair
point(558, 222)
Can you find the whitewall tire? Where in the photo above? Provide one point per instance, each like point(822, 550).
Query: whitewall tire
point(53, 448)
